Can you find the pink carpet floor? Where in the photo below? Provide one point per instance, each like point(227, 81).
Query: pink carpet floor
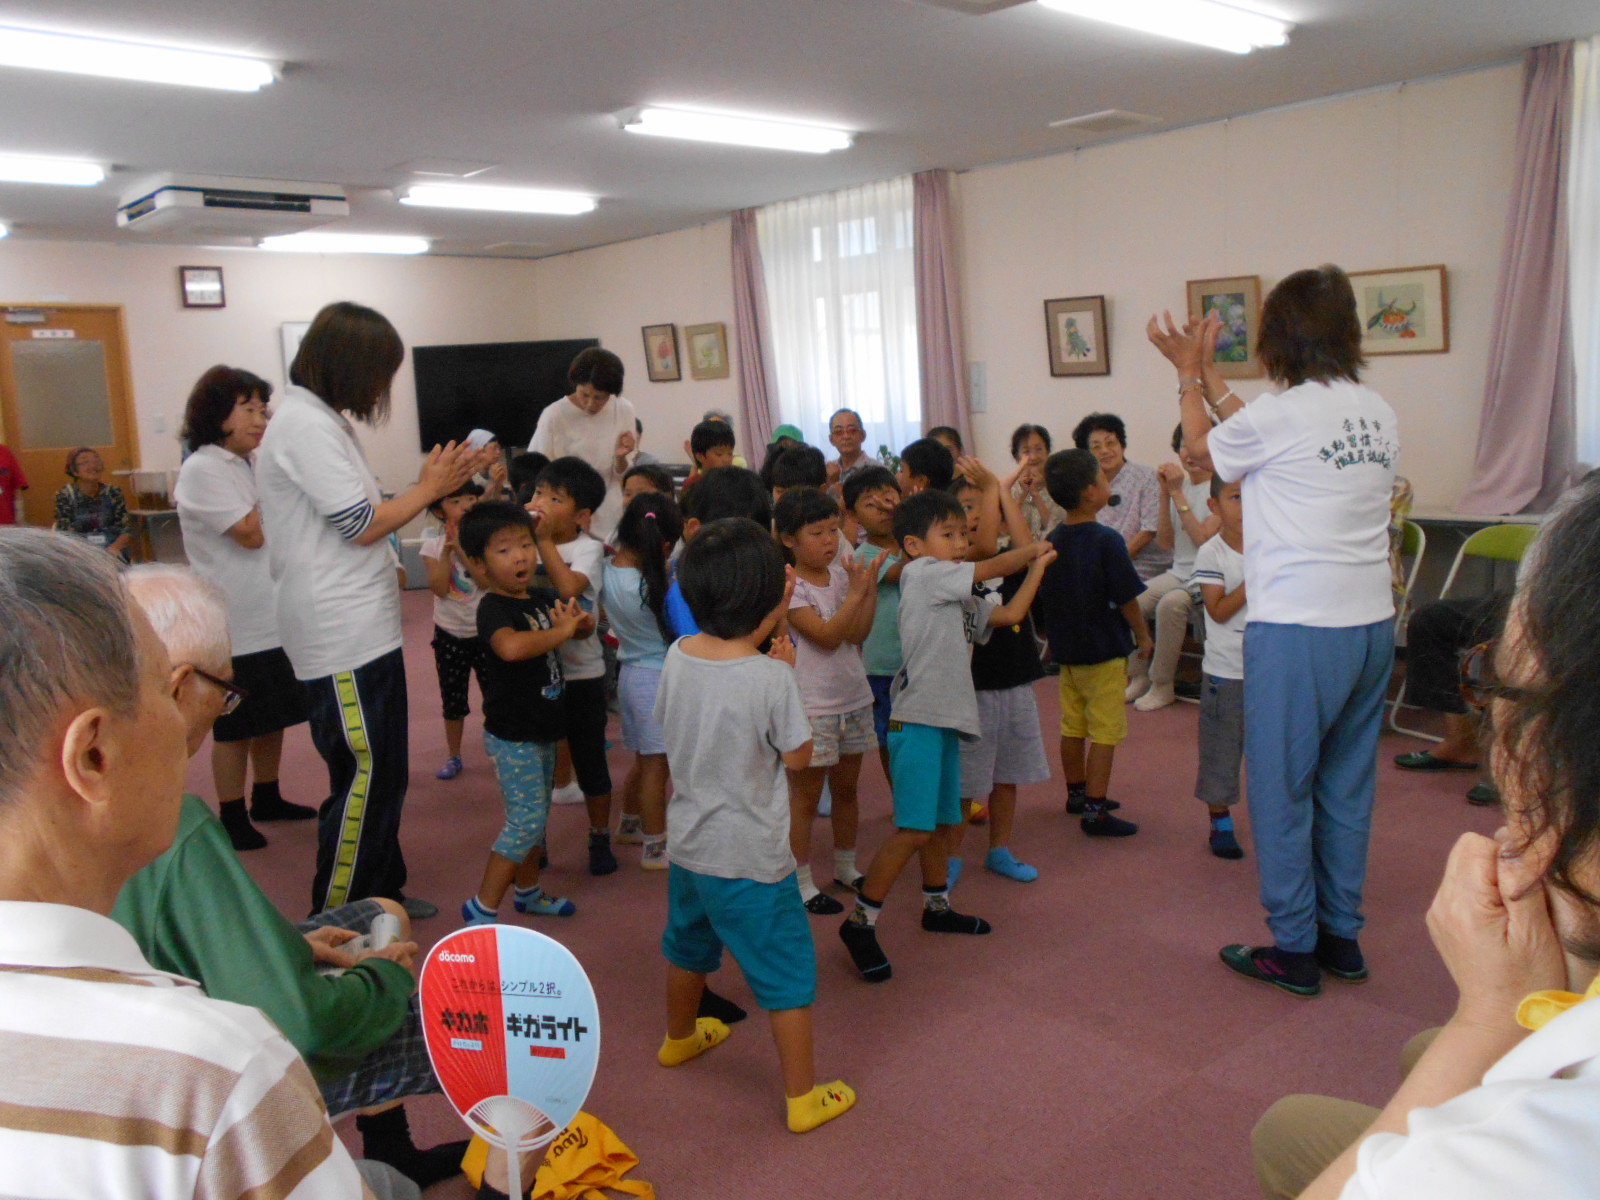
point(1092, 1046)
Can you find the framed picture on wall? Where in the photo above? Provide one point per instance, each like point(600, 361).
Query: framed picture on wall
point(708, 350)
point(661, 353)
point(1237, 301)
point(1075, 332)
point(290, 334)
point(201, 287)
point(1403, 311)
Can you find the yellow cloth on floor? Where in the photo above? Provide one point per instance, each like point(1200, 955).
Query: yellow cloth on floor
point(585, 1162)
point(1540, 1008)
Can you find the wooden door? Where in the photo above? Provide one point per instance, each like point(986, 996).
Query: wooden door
point(64, 383)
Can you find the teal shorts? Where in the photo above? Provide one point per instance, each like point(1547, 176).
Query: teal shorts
point(925, 765)
point(763, 925)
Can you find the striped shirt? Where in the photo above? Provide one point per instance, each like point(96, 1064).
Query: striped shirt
point(123, 1081)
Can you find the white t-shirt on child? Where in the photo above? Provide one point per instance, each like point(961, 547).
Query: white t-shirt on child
point(1220, 565)
point(457, 613)
point(1318, 465)
point(582, 658)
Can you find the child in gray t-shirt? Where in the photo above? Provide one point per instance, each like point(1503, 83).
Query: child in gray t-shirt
point(733, 721)
point(935, 707)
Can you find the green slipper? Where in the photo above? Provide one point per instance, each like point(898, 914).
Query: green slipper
point(1425, 760)
point(1483, 794)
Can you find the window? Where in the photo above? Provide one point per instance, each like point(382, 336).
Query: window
point(841, 290)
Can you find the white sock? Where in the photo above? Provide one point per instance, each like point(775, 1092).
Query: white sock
point(808, 888)
point(844, 866)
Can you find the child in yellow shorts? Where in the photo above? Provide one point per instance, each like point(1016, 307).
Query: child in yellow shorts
point(1089, 601)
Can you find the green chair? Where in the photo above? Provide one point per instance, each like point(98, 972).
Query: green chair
point(1493, 543)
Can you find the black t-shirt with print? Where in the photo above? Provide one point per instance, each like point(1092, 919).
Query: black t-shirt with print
point(521, 700)
point(1010, 658)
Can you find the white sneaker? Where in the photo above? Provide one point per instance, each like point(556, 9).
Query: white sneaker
point(571, 794)
point(1137, 686)
point(1159, 696)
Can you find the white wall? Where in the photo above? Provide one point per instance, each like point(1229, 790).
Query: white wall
point(612, 292)
point(430, 300)
point(1406, 177)
point(1409, 176)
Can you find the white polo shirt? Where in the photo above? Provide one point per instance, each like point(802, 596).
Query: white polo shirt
point(1317, 465)
point(216, 490)
point(338, 602)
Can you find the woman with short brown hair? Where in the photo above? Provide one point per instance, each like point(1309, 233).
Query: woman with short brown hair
point(338, 608)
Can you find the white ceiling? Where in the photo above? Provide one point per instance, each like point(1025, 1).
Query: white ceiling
point(531, 85)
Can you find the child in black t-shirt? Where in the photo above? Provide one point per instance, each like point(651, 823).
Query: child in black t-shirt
point(1089, 601)
point(521, 628)
point(1004, 670)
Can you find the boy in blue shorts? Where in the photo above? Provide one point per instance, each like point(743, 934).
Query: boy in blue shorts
point(935, 707)
point(734, 721)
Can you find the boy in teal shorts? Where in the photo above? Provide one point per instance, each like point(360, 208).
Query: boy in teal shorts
point(734, 720)
point(935, 707)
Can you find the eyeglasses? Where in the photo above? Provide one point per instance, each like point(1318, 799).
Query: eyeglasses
point(1480, 682)
point(233, 694)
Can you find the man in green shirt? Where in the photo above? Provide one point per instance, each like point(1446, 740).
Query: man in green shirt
point(195, 911)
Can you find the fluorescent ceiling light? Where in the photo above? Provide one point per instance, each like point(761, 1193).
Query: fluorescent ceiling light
point(735, 131)
point(1203, 22)
point(133, 60)
point(497, 199)
point(345, 243)
point(28, 168)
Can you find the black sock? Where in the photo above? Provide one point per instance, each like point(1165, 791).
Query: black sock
point(242, 834)
point(720, 1007)
point(265, 793)
point(386, 1137)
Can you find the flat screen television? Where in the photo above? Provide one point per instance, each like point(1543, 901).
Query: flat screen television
point(498, 386)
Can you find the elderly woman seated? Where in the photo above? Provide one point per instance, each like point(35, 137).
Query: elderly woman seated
point(1505, 1099)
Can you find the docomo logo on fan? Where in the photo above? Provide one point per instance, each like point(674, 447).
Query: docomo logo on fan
point(447, 956)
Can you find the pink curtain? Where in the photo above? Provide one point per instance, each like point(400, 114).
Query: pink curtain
point(941, 357)
point(758, 400)
point(1525, 436)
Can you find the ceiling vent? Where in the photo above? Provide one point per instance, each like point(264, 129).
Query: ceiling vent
point(973, 8)
point(187, 207)
point(1111, 120)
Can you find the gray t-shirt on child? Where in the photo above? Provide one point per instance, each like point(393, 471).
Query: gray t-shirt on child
point(940, 618)
point(727, 725)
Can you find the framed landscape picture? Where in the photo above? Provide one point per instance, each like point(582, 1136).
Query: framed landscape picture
point(708, 350)
point(1237, 300)
point(661, 353)
point(1075, 332)
point(1403, 311)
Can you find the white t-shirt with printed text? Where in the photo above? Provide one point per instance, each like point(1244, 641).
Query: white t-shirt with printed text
point(1317, 465)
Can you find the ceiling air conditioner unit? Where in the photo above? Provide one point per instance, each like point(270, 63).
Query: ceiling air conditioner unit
point(189, 207)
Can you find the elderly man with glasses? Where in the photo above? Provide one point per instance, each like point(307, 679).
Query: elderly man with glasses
point(358, 1030)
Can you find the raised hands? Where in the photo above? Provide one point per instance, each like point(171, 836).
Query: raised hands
point(860, 575)
point(447, 467)
point(568, 617)
point(782, 649)
point(1172, 477)
point(1192, 348)
point(974, 471)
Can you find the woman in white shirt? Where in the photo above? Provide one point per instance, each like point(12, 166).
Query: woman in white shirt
point(596, 424)
point(327, 528)
point(1316, 463)
point(219, 513)
point(1505, 1100)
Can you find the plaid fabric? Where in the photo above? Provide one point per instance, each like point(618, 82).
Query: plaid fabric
point(396, 1069)
point(400, 1066)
